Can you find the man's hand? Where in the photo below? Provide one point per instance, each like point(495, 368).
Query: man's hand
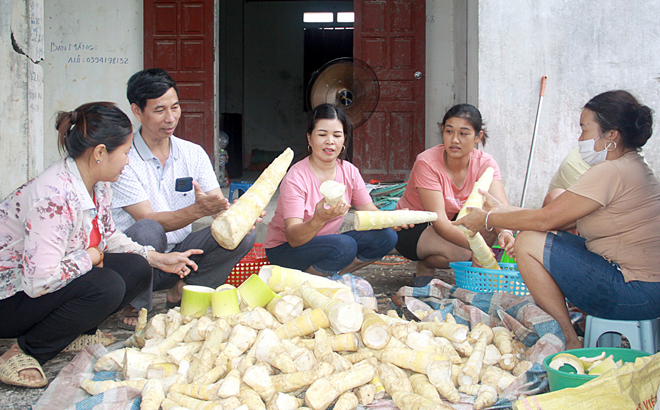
point(206, 205)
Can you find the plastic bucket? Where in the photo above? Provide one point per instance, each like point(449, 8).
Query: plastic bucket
point(559, 379)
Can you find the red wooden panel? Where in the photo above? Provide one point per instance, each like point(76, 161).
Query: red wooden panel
point(165, 54)
point(373, 18)
point(402, 16)
point(403, 53)
point(165, 18)
point(192, 123)
point(390, 36)
point(396, 90)
point(193, 55)
point(193, 19)
point(179, 36)
point(374, 52)
point(372, 146)
point(402, 124)
point(191, 92)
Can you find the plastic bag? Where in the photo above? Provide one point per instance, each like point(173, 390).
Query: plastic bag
point(634, 386)
point(363, 293)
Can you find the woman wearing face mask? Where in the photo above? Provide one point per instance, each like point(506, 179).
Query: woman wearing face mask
point(611, 270)
point(441, 180)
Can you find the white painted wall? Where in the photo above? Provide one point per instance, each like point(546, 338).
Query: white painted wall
point(92, 47)
point(21, 92)
point(584, 48)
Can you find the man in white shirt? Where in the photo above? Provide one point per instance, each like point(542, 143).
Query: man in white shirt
point(168, 184)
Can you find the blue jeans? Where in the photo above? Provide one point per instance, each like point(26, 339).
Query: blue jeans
point(329, 254)
point(596, 285)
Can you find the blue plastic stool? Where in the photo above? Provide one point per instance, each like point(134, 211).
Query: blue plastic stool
point(642, 334)
point(240, 186)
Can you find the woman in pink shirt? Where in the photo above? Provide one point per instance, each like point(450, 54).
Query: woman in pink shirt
point(304, 234)
point(441, 181)
point(64, 268)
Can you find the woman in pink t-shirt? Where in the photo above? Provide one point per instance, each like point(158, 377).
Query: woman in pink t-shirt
point(441, 181)
point(304, 234)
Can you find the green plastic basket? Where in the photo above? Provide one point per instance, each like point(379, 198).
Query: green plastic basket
point(501, 255)
point(489, 280)
point(559, 379)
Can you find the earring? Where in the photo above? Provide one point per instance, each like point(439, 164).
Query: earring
point(309, 148)
point(609, 144)
point(98, 161)
point(343, 148)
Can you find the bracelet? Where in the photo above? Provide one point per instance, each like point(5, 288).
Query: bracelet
point(486, 222)
point(503, 231)
point(100, 253)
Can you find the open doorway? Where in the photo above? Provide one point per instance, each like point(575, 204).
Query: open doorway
point(265, 67)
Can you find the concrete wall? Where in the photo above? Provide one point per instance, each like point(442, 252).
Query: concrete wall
point(92, 47)
point(21, 92)
point(584, 48)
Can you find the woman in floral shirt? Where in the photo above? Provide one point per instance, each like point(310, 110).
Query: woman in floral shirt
point(63, 266)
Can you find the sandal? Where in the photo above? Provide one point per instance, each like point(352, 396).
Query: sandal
point(89, 340)
point(9, 371)
point(127, 312)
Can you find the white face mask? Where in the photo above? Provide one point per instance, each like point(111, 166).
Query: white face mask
point(589, 154)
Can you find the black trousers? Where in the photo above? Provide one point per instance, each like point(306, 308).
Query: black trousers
point(47, 324)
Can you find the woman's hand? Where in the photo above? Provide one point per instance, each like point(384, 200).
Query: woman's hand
point(491, 202)
point(174, 262)
point(323, 214)
point(474, 220)
point(96, 256)
point(506, 240)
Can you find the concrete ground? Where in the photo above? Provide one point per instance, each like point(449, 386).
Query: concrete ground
point(386, 279)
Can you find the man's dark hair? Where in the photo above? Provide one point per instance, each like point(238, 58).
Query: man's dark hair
point(148, 84)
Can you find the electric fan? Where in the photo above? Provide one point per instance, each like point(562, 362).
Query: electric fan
point(348, 83)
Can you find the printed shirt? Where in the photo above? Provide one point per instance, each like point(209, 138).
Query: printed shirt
point(429, 172)
point(299, 194)
point(144, 179)
point(45, 227)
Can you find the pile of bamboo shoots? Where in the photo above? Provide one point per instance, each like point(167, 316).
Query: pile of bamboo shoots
point(307, 350)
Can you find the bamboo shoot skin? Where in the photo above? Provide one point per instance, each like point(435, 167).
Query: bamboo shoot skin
point(231, 226)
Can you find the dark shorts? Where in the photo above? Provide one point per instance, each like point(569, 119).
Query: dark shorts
point(406, 245)
point(596, 285)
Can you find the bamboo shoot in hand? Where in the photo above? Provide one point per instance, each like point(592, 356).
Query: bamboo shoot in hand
point(231, 226)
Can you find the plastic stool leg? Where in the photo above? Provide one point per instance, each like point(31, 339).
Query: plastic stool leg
point(647, 335)
point(609, 339)
point(587, 331)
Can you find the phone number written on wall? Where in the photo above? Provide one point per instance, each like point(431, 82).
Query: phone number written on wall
point(98, 60)
point(78, 59)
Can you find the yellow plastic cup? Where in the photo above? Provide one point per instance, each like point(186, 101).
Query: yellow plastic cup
point(255, 292)
point(195, 300)
point(224, 301)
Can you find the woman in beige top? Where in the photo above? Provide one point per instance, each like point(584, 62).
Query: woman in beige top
point(610, 271)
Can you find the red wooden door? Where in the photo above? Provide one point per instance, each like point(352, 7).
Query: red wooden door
point(390, 37)
point(178, 37)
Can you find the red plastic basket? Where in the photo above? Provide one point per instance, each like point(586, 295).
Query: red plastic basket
point(488, 280)
point(250, 264)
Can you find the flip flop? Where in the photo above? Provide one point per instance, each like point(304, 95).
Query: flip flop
point(9, 371)
point(123, 314)
point(89, 340)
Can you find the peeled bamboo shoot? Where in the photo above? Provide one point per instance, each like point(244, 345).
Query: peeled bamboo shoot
point(366, 220)
point(231, 226)
point(332, 191)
